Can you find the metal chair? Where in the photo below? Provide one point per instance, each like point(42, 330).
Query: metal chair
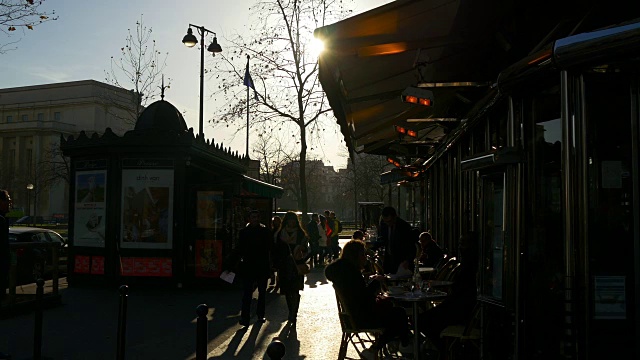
point(457, 338)
point(351, 333)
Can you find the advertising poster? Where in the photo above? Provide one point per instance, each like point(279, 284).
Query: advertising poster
point(209, 209)
point(208, 258)
point(147, 213)
point(609, 297)
point(139, 266)
point(90, 208)
point(82, 264)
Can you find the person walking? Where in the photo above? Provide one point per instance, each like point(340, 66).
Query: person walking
point(275, 226)
point(253, 248)
point(399, 241)
point(314, 238)
point(291, 249)
point(335, 235)
point(323, 242)
point(328, 227)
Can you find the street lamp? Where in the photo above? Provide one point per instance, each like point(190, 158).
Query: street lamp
point(29, 188)
point(190, 41)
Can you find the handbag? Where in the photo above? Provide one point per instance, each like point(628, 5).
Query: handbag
point(303, 268)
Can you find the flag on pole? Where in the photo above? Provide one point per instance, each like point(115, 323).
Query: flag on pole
point(248, 81)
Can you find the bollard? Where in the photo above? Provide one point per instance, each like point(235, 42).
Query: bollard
point(201, 332)
point(276, 350)
point(37, 328)
point(122, 321)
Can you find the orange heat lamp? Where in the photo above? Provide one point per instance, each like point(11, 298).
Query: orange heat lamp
point(417, 95)
point(412, 133)
point(400, 130)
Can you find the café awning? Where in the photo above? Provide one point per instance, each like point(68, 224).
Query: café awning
point(253, 187)
point(453, 48)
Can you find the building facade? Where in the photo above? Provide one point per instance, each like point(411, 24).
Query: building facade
point(32, 120)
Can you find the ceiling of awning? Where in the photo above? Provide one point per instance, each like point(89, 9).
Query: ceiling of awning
point(455, 48)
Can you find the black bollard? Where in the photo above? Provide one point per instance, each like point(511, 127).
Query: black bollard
point(37, 328)
point(276, 350)
point(122, 321)
point(201, 332)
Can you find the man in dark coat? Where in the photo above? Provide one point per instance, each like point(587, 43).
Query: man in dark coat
point(399, 241)
point(255, 268)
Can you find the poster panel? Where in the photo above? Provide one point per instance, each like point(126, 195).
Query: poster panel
point(208, 258)
point(90, 208)
point(609, 297)
point(147, 213)
point(147, 267)
point(209, 211)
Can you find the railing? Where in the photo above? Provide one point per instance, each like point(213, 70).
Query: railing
point(30, 289)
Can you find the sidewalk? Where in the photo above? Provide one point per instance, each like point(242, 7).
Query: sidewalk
point(161, 324)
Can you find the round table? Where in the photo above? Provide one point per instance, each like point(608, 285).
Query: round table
point(414, 298)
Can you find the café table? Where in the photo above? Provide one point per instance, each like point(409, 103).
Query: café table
point(414, 298)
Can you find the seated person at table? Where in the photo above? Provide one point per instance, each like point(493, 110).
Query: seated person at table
point(360, 299)
point(430, 251)
point(457, 308)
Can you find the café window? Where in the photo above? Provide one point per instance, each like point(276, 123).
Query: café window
point(498, 128)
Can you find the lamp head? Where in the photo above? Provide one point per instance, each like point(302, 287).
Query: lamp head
point(189, 40)
point(214, 47)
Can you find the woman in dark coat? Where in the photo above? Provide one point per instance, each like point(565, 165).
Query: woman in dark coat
point(289, 240)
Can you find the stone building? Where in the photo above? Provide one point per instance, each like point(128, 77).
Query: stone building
point(32, 118)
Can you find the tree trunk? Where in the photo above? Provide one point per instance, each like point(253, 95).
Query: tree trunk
point(304, 207)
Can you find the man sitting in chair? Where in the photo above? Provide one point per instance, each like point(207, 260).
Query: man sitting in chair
point(359, 297)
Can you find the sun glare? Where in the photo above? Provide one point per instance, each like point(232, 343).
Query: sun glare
point(317, 46)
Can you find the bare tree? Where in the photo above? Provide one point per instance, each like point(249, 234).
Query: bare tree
point(285, 74)
point(139, 68)
point(361, 180)
point(55, 167)
point(20, 15)
point(273, 155)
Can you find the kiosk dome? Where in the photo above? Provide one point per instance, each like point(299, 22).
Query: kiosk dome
point(161, 115)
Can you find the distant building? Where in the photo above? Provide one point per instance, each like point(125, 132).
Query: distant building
point(32, 119)
point(322, 186)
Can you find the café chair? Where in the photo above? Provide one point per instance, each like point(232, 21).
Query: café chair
point(446, 268)
point(460, 339)
point(352, 333)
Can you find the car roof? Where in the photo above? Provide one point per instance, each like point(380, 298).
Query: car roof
point(27, 229)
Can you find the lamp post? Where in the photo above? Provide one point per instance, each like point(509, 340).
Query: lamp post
point(190, 41)
point(29, 188)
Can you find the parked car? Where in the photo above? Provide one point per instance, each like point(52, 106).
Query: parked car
point(26, 220)
point(34, 262)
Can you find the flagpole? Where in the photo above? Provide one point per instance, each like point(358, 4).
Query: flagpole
point(247, 149)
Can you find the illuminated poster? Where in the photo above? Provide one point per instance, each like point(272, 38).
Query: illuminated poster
point(147, 211)
point(90, 208)
point(209, 209)
point(208, 258)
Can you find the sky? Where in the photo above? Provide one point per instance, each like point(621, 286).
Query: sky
point(79, 45)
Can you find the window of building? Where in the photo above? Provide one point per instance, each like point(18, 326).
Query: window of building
point(57, 116)
point(29, 156)
point(9, 118)
point(25, 117)
point(40, 116)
